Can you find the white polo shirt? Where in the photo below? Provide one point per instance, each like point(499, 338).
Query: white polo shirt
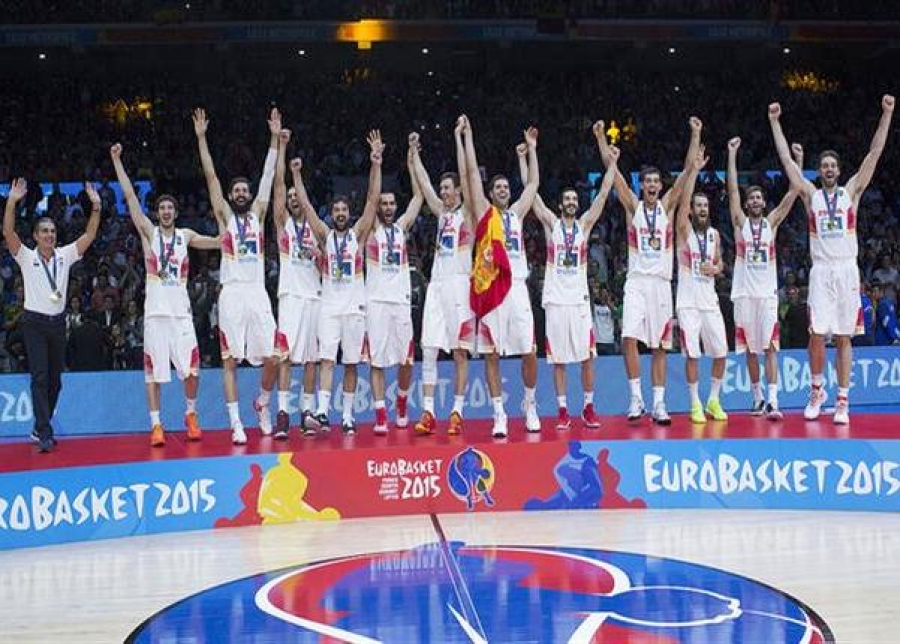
point(37, 287)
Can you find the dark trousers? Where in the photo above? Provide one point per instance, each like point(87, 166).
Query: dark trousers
point(45, 346)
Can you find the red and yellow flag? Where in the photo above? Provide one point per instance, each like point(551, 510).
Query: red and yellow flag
point(491, 272)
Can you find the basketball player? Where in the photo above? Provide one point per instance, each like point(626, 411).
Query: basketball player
point(507, 330)
point(834, 300)
point(566, 299)
point(299, 298)
point(389, 317)
point(647, 307)
point(754, 286)
point(342, 321)
point(699, 253)
point(169, 335)
point(246, 324)
point(448, 321)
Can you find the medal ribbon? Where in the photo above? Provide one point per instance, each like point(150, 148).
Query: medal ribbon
point(507, 228)
point(165, 255)
point(389, 235)
point(299, 233)
point(339, 253)
point(50, 278)
point(831, 205)
point(569, 240)
point(651, 222)
point(242, 224)
point(756, 234)
point(702, 241)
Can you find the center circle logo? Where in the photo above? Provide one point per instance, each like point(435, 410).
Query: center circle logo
point(471, 476)
point(454, 592)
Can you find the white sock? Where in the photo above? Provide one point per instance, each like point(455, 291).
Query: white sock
point(379, 404)
point(458, 403)
point(529, 395)
point(324, 402)
point(694, 388)
point(428, 404)
point(263, 398)
point(817, 380)
point(715, 386)
point(843, 392)
point(234, 414)
point(756, 387)
point(154, 418)
point(561, 401)
point(402, 393)
point(498, 407)
point(659, 395)
point(283, 397)
point(308, 401)
point(635, 385)
point(348, 406)
point(773, 394)
point(190, 405)
point(588, 398)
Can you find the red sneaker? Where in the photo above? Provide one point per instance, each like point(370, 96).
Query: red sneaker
point(402, 416)
point(455, 425)
point(563, 421)
point(381, 426)
point(589, 417)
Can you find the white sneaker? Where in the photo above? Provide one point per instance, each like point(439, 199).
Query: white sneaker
point(499, 430)
point(817, 398)
point(842, 412)
point(265, 421)
point(238, 435)
point(772, 412)
point(532, 420)
point(660, 415)
point(636, 408)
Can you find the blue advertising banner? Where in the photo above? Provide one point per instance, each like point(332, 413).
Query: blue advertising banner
point(114, 402)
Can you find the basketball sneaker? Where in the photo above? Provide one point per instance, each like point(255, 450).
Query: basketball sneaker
point(759, 408)
point(37, 438)
point(348, 426)
point(426, 424)
point(842, 411)
point(697, 415)
point(402, 415)
point(589, 417)
point(455, 425)
point(714, 409)
point(563, 421)
point(265, 421)
point(772, 412)
point(660, 415)
point(322, 420)
point(193, 426)
point(282, 425)
point(636, 408)
point(499, 430)
point(381, 426)
point(238, 435)
point(309, 424)
point(817, 398)
point(157, 435)
point(532, 420)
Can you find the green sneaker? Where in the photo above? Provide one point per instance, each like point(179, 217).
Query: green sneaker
point(714, 409)
point(697, 415)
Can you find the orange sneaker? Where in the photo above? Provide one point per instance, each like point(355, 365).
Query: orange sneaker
point(456, 423)
point(193, 426)
point(157, 436)
point(426, 424)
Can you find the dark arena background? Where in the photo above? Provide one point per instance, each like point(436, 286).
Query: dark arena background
point(764, 514)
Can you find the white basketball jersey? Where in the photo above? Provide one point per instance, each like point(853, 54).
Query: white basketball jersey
point(515, 244)
point(755, 270)
point(650, 238)
point(243, 251)
point(565, 277)
point(300, 262)
point(387, 265)
point(832, 227)
point(168, 266)
point(343, 290)
point(453, 250)
point(695, 290)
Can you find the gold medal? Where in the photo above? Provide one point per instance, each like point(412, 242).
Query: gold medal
point(55, 296)
point(654, 243)
point(242, 250)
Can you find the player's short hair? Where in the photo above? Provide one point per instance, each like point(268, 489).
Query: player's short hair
point(564, 190)
point(166, 197)
point(754, 188)
point(236, 181)
point(338, 199)
point(648, 170)
point(42, 220)
point(450, 175)
point(699, 194)
point(829, 153)
point(495, 179)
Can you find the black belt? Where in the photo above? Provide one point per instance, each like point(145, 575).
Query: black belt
point(44, 317)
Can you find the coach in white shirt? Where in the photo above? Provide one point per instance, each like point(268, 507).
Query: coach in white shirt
point(45, 273)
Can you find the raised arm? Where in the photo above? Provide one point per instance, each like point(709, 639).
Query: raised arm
point(367, 220)
point(546, 216)
point(264, 194)
point(683, 221)
point(435, 205)
point(674, 195)
point(734, 194)
point(596, 210)
point(279, 197)
point(216, 198)
point(138, 217)
point(462, 167)
point(93, 224)
point(526, 199)
point(860, 181)
point(477, 198)
point(320, 228)
point(626, 195)
point(201, 242)
point(415, 204)
point(17, 191)
point(794, 173)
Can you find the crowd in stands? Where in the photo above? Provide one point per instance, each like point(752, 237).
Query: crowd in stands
point(56, 11)
point(58, 128)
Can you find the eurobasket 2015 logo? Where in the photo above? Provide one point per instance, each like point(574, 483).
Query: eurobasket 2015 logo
point(453, 592)
point(470, 477)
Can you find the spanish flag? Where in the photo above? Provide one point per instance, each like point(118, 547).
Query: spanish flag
point(491, 272)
